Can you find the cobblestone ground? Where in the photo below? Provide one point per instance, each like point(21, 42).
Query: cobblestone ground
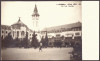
point(34, 54)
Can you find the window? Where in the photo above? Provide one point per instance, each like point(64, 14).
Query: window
point(13, 33)
point(22, 33)
point(77, 33)
point(2, 37)
point(79, 28)
point(2, 31)
point(6, 31)
point(17, 33)
point(74, 29)
point(58, 35)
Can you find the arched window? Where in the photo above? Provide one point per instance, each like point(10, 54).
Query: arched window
point(2, 32)
point(13, 33)
point(22, 33)
point(6, 32)
point(77, 33)
point(17, 33)
point(2, 37)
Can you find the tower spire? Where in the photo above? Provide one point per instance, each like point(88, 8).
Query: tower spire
point(35, 11)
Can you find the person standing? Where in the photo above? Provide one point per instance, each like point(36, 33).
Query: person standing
point(40, 48)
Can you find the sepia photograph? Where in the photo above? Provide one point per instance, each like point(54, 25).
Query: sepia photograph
point(41, 30)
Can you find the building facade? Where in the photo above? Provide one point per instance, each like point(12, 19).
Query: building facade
point(65, 33)
point(17, 30)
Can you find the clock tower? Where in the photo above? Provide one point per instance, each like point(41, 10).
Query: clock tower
point(35, 18)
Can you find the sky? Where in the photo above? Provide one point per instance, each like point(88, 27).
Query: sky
point(50, 13)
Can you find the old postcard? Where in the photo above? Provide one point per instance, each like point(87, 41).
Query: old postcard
point(41, 30)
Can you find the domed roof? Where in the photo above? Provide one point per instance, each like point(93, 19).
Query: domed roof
point(19, 24)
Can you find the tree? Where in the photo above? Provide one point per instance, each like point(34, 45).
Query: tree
point(42, 41)
point(58, 43)
point(17, 42)
point(46, 40)
point(8, 40)
point(26, 41)
point(34, 42)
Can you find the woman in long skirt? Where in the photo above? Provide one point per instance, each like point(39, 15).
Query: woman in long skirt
point(40, 48)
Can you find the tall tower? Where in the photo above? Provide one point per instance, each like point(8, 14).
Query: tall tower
point(35, 18)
